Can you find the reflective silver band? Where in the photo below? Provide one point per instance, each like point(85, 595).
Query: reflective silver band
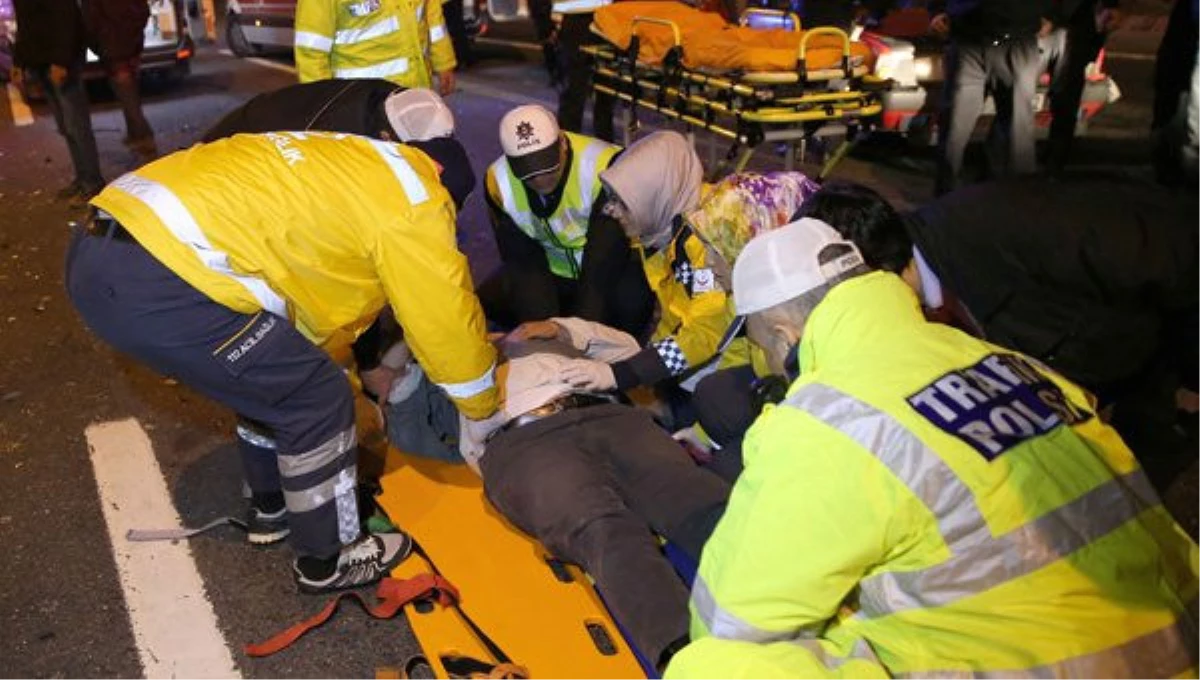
point(314, 459)
point(253, 438)
point(334, 488)
point(376, 30)
point(1040, 543)
point(725, 625)
point(1165, 653)
point(980, 561)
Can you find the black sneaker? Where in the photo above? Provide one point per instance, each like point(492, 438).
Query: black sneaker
point(266, 528)
point(361, 563)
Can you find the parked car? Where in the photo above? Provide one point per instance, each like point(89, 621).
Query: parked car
point(167, 51)
point(256, 26)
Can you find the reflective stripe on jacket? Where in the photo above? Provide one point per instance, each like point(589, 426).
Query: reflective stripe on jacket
point(695, 311)
point(323, 229)
point(927, 504)
point(404, 41)
point(564, 234)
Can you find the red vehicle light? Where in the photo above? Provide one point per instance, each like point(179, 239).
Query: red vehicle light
point(183, 53)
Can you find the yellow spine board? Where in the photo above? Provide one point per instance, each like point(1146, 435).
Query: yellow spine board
point(507, 586)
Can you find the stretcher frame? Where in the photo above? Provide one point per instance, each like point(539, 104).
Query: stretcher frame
point(748, 108)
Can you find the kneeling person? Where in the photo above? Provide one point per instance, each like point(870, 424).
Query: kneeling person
point(562, 256)
point(965, 512)
point(590, 478)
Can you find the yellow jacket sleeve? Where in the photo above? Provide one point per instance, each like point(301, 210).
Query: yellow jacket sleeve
point(316, 25)
point(441, 48)
point(428, 284)
point(704, 318)
point(810, 515)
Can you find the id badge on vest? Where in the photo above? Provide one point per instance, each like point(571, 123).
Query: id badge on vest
point(362, 8)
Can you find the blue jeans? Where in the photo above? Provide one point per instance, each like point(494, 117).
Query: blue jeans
point(70, 105)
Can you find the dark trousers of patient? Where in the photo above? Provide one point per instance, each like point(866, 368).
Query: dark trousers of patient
point(595, 485)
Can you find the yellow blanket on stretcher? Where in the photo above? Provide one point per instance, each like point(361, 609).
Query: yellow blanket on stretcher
point(709, 42)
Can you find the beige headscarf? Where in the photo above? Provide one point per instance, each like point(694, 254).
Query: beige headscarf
point(656, 178)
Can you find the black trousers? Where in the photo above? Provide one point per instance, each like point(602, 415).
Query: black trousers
point(1077, 46)
point(725, 409)
point(575, 34)
point(452, 12)
point(595, 485)
point(259, 365)
point(1009, 71)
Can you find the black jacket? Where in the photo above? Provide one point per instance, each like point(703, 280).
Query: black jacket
point(974, 21)
point(351, 106)
point(1095, 276)
point(116, 27)
point(48, 32)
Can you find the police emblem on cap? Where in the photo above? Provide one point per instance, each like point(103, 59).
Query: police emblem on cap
point(524, 130)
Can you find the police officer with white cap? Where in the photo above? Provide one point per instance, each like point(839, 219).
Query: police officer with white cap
point(964, 510)
point(562, 256)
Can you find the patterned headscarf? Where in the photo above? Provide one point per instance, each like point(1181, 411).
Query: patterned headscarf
point(747, 204)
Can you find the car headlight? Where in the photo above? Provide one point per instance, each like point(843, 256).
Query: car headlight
point(923, 68)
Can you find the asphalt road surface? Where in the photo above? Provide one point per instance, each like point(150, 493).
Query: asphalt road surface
point(78, 600)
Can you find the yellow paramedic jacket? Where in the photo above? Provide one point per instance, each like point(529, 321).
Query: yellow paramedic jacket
point(695, 312)
point(925, 503)
point(322, 229)
point(403, 41)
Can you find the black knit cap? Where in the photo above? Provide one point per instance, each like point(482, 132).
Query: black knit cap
point(457, 175)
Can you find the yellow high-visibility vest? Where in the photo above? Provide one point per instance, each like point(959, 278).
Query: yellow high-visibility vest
point(404, 41)
point(924, 503)
point(563, 234)
point(321, 229)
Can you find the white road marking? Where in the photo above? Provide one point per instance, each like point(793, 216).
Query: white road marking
point(21, 114)
point(172, 619)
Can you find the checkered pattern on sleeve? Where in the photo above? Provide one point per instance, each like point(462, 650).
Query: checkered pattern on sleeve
point(683, 273)
point(671, 354)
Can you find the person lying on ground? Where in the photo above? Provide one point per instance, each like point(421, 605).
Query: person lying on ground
point(595, 480)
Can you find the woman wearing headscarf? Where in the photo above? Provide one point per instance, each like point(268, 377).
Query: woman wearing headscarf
point(687, 234)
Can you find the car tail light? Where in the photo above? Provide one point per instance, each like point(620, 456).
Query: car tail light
point(182, 53)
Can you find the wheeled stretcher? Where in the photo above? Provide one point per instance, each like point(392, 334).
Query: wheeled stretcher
point(748, 85)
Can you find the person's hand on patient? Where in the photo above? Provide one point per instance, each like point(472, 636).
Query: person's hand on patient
point(588, 374)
